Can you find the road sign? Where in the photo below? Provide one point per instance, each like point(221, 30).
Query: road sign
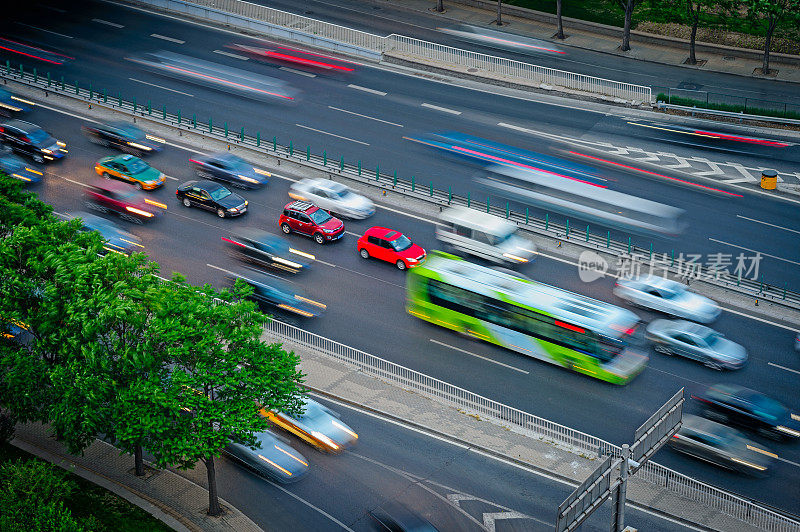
point(656, 431)
point(587, 497)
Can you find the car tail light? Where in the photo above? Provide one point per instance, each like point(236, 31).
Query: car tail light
point(233, 242)
point(195, 161)
point(701, 399)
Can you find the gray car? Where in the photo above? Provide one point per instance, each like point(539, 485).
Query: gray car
point(721, 445)
point(669, 297)
point(273, 458)
point(697, 342)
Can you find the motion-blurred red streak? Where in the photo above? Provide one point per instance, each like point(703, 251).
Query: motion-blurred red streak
point(749, 140)
point(35, 48)
point(31, 55)
point(315, 55)
point(656, 174)
point(514, 163)
point(309, 62)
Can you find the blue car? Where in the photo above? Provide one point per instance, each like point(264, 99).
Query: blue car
point(11, 104)
point(15, 167)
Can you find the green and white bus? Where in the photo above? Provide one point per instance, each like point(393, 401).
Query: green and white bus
point(535, 319)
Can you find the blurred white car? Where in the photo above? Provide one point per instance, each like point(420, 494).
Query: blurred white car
point(695, 341)
point(333, 197)
point(669, 297)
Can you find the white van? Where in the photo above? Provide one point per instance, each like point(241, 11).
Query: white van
point(484, 235)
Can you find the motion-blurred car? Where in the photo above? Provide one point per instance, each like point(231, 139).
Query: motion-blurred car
point(272, 458)
point(270, 291)
point(131, 169)
point(736, 405)
point(11, 104)
point(116, 239)
point(721, 445)
point(230, 168)
point(124, 136)
point(394, 517)
point(13, 166)
point(333, 197)
point(111, 196)
point(318, 426)
point(309, 220)
point(797, 342)
point(669, 297)
point(32, 141)
point(211, 197)
point(390, 246)
point(697, 342)
point(280, 54)
point(266, 250)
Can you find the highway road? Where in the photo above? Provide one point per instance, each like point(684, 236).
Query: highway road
point(366, 310)
point(453, 487)
point(368, 116)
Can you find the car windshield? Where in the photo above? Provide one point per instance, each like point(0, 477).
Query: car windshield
point(401, 243)
point(496, 240)
point(313, 415)
point(764, 406)
point(711, 338)
point(136, 166)
point(340, 193)
point(132, 132)
point(319, 216)
point(220, 193)
point(38, 135)
point(234, 162)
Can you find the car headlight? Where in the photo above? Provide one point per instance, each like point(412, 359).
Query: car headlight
point(787, 430)
point(61, 144)
point(324, 439)
point(515, 257)
point(233, 209)
point(329, 230)
point(248, 179)
point(155, 139)
point(262, 172)
point(44, 150)
point(140, 146)
point(289, 263)
point(412, 260)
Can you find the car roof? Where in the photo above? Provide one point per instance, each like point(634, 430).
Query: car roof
point(378, 231)
point(21, 124)
point(258, 235)
point(206, 185)
point(303, 206)
point(126, 157)
point(113, 186)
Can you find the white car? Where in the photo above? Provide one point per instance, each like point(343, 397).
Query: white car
point(669, 297)
point(333, 197)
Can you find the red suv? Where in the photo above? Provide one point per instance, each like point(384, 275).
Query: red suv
point(391, 246)
point(113, 196)
point(308, 219)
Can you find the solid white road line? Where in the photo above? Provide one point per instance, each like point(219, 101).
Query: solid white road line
point(165, 38)
point(161, 87)
point(235, 56)
point(753, 250)
point(47, 31)
point(788, 461)
point(364, 116)
point(366, 89)
point(442, 109)
point(477, 356)
point(107, 23)
point(298, 72)
point(783, 367)
point(310, 505)
point(766, 223)
point(333, 134)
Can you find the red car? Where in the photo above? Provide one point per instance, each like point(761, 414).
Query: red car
point(308, 219)
point(391, 246)
point(112, 196)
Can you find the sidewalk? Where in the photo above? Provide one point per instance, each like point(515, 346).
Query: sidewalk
point(607, 39)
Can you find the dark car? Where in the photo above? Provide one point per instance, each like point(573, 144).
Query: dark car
point(721, 445)
point(211, 197)
point(231, 169)
point(273, 458)
point(116, 239)
point(11, 104)
point(394, 517)
point(736, 405)
point(270, 291)
point(266, 250)
point(124, 136)
point(308, 219)
point(13, 166)
point(112, 196)
point(31, 141)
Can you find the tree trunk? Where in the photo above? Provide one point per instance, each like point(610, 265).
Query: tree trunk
point(138, 461)
point(767, 43)
point(440, 6)
point(626, 31)
point(560, 33)
point(692, 57)
point(499, 13)
point(214, 509)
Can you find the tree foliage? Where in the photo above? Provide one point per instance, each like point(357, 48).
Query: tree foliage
point(772, 13)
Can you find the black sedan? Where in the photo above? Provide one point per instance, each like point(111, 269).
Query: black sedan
point(267, 250)
point(270, 291)
point(125, 137)
point(273, 458)
point(116, 239)
point(231, 169)
point(32, 141)
point(211, 197)
point(736, 405)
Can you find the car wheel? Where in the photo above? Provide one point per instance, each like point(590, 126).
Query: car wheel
point(38, 159)
point(286, 228)
point(106, 175)
point(138, 186)
point(319, 239)
point(203, 174)
point(95, 207)
point(220, 213)
point(400, 265)
point(132, 219)
point(186, 202)
point(713, 365)
point(769, 433)
point(664, 350)
point(364, 253)
point(719, 417)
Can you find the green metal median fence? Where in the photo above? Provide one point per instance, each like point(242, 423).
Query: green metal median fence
point(447, 196)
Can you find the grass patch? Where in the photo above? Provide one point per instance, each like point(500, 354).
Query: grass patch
point(689, 102)
point(112, 512)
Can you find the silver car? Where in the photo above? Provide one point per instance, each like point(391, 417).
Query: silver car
point(669, 297)
point(695, 341)
point(721, 445)
point(317, 425)
point(273, 458)
point(333, 197)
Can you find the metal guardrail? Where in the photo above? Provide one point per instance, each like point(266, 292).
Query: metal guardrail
point(535, 426)
point(412, 188)
point(519, 70)
point(741, 115)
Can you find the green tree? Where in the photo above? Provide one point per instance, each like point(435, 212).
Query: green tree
point(772, 13)
point(222, 371)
